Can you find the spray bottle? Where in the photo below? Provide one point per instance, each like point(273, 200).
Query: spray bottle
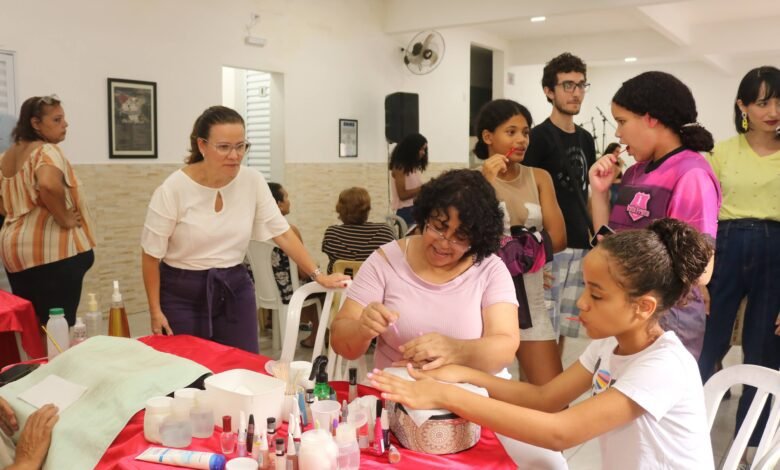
point(117, 316)
point(93, 318)
point(322, 390)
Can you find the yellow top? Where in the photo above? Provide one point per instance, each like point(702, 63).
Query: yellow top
point(750, 183)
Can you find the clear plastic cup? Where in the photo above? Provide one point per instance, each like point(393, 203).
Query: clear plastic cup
point(324, 412)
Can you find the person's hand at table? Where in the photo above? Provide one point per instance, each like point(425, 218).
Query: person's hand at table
point(160, 324)
point(35, 438)
point(376, 319)
point(423, 393)
point(430, 351)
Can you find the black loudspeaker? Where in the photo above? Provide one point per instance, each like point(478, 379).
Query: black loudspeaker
point(401, 116)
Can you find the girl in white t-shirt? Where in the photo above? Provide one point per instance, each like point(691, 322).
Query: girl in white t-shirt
point(647, 403)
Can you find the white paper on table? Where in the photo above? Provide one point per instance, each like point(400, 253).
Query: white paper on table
point(421, 416)
point(53, 389)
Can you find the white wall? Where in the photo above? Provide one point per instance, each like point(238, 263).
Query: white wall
point(327, 50)
point(336, 60)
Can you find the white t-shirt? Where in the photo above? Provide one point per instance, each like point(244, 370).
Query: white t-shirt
point(664, 380)
point(183, 229)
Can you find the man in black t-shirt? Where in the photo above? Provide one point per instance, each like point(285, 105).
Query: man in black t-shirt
point(566, 151)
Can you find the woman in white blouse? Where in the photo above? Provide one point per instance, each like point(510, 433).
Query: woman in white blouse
point(197, 231)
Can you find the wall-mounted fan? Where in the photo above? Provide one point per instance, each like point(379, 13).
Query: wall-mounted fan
point(424, 52)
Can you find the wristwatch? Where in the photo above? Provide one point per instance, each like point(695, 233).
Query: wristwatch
point(313, 275)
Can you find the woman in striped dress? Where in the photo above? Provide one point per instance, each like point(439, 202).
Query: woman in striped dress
point(47, 236)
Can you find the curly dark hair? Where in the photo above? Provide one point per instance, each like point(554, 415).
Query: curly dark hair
point(33, 107)
point(202, 127)
point(665, 259)
point(406, 155)
point(664, 97)
point(750, 87)
point(564, 63)
point(467, 191)
point(493, 114)
point(276, 191)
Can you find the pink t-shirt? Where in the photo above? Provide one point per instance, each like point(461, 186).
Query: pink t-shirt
point(412, 180)
point(452, 309)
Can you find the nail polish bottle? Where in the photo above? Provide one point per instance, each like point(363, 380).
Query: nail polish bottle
point(228, 438)
point(352, 384)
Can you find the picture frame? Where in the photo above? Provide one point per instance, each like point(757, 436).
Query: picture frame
point(348, 138)
point(132, 119)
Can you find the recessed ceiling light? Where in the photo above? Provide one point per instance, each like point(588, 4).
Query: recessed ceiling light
point(630, 59)
point(538, 19)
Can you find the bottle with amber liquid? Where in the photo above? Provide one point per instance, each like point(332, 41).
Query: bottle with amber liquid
point(117, 316)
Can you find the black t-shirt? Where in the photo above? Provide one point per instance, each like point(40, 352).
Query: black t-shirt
point(569, 173)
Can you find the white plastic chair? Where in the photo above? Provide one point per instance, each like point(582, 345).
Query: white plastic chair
point(771, 460)
point(267, 292)
point(398, 224)
point(767, 382)
point(338, 367)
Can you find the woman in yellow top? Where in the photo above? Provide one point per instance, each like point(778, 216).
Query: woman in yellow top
point(47, 236)
point(747, 256)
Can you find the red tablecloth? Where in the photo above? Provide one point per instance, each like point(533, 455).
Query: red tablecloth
point(488, 453)
point(18, 315)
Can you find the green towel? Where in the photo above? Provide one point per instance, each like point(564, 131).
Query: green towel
point(120, 375)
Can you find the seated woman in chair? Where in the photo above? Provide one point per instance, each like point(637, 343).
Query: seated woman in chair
point(439, 298)
point(356, 238)
point(280, 264)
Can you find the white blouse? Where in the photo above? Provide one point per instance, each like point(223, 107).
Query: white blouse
point(183, 229)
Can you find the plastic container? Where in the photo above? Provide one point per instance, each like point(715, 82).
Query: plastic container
point(93, 318)
point(359, 421)
point(318, 451)
point(117, 316)
point(202, 416)
point(240, 389)
point(349, 451)
point(324, 412)
point(57, 327)
point(157, 409)
point(176, 428)
point(78, 333)
point(242, 463)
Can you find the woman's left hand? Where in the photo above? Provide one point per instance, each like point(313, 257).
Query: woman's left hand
point(333, 281)
point(423, 393)
point(432, 350)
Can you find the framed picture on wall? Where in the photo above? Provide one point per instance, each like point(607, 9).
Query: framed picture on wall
point(348, 138)
point(132, 119)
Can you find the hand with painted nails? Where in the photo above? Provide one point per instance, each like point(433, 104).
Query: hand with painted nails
point(494, 166)
point(333, 281)
point(423, 393)
point(376, 319)
point(431, 351)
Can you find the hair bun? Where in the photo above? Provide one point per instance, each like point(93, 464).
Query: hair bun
point(688, 249)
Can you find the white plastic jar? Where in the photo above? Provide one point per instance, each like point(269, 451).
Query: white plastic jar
point(157, 408)
point(318, 451)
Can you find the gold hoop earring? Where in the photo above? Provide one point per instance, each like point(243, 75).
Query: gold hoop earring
point(744, 122)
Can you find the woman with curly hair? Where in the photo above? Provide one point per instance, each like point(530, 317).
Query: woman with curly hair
point(441, 297)
point(503, 134)
point(408, 160)
point(656, 120)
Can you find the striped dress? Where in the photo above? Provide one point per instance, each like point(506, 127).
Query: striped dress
point(354, 242)
point(30, 236)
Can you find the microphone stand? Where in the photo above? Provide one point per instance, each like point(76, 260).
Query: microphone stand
point(604, 122)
